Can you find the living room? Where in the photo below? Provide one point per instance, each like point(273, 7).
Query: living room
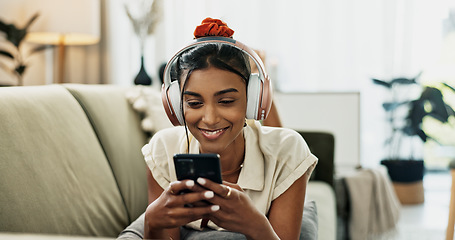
point(321, 57)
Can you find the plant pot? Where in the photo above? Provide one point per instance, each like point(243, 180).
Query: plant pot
point(407, 178)
point(409, 193)
point(405, 171)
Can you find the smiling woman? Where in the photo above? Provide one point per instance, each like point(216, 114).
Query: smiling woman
point(266, 169)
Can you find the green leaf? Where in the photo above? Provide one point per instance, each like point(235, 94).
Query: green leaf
point(20, 69)
point(449, 86)
point(3, 27)
point(6, 54)
point(32, 19)
point(381, 83)
point(40, 48)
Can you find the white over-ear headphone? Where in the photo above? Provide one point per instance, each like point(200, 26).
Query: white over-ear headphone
point(259, 89)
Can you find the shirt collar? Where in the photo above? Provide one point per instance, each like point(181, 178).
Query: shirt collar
point(252, 174)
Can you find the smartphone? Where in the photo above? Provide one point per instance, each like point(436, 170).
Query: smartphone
point(193, 166)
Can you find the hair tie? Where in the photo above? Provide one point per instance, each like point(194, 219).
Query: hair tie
point(213, 27)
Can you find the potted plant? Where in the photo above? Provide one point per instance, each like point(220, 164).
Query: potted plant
point(410, 103)
point(13, 51)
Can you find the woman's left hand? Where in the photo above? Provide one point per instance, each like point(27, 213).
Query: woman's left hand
point(237, 212)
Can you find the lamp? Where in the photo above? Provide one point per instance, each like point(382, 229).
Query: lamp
point(64, 23)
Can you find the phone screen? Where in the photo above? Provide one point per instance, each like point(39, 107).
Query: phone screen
point(193, 166)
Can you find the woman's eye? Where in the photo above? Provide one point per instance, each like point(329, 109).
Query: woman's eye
point(194, 104)
point(226, 102)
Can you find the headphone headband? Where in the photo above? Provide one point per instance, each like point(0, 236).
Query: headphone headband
point(265, 91)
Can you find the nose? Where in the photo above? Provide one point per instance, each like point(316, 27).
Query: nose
point(211, 116)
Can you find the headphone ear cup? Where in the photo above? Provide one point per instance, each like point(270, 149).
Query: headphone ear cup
point(174, 99)
point(253, 96)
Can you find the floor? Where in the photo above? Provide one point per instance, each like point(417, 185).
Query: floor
point(428, 220)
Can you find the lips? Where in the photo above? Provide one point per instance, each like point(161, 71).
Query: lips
point(212, 134)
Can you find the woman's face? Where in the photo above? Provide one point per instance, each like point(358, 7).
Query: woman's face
point(214, 103)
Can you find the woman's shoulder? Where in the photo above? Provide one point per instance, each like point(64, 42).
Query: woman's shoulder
point(278, 144)
point(164, 139)
point(278, 136)
point(168, 134)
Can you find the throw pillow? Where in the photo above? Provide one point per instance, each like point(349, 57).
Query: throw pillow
point(147, 101)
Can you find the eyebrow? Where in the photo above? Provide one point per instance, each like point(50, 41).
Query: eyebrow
point(226, 91)
point(216, 94)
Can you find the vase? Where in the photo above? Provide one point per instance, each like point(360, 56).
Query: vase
point(142, 78)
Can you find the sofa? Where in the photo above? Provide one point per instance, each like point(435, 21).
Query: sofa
point(71, 165)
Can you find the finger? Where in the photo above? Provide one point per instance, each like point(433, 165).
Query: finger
point(219, 189)
point(193, 197)
point(193, 213)
point(176, 187)
point(198, 188)
point(183, 215)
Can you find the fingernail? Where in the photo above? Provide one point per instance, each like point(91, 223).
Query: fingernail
point(201, 181)
point(209, 194)
point(190, 183)
point(215, 208)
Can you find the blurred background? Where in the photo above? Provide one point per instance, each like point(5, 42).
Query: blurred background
point(309, 47)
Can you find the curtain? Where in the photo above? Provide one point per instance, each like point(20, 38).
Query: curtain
point(310, 46)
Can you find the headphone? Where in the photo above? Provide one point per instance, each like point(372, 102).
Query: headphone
point(259, 89)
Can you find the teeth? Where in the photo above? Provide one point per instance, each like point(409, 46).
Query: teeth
point(213, 132)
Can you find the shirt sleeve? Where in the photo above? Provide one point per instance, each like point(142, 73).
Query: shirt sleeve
point(157, 159)
point(294, 160)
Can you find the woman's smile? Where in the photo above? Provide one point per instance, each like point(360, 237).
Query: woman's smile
point(213, 134)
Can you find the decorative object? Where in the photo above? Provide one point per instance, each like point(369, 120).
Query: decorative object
point(14, 37)
point(144, 16)
point(405, 115)
point(147, 101)
point(65, 23)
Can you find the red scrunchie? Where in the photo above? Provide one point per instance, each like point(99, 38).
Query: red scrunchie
point(213, 27)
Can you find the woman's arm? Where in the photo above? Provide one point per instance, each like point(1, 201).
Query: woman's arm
point(273, 119)
point(237, 213)
point(154, 191)
point(286, 211)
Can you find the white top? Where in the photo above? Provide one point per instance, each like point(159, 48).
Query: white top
point(274, 159)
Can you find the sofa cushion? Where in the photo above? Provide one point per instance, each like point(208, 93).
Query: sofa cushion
point(117, 126)
point(54, 175)
point(309, 227)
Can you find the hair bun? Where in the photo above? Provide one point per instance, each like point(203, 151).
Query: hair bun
point(213, 27)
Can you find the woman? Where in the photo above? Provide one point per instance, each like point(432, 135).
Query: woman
point(265, 170)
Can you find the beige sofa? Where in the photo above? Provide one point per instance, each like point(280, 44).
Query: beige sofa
point(71, 165)
point(70, 160)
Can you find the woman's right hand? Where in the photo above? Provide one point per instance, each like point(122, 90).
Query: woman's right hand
point(171, 209)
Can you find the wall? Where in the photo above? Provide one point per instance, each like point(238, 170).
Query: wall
point(82, 62)
point(334, 112)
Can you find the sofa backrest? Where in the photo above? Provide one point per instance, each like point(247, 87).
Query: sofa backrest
point(118, 128)
point(322, 145)
point(69, 166)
